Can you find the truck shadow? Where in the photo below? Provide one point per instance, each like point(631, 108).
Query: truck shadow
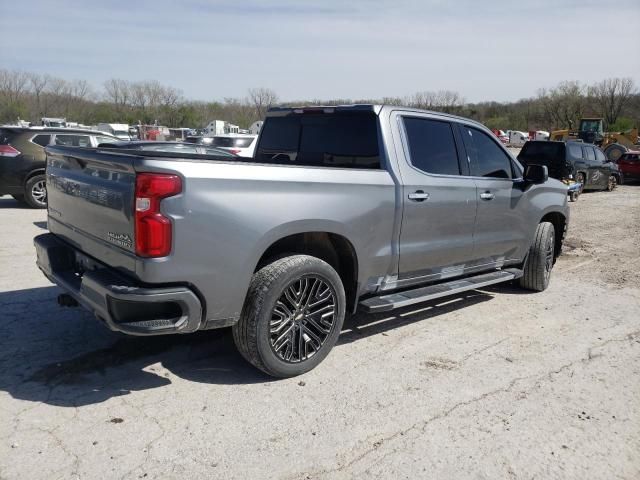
point(65, 357)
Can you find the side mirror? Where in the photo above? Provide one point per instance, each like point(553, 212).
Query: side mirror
point(536, 174)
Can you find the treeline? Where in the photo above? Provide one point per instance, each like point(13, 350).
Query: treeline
point(31, 96)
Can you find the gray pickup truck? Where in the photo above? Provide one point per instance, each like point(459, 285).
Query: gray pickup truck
point(341, 208)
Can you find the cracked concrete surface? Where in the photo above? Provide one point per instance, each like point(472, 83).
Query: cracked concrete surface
point(497, 383)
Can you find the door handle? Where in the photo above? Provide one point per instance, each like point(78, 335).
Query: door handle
point(487, 196)
point(418, 196)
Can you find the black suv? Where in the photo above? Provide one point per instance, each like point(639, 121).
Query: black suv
point(23, 162)
point(585, 163)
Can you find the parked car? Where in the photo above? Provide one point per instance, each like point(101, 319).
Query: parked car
point(504, 138)
point(629, 165)
point(352, 207)
point(169, 147)
point(588, 163)
point(22, 158)
point(241, 145)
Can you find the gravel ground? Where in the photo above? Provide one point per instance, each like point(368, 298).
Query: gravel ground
point(496, 383)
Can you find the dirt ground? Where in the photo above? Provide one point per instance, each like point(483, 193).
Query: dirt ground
point(497, 383)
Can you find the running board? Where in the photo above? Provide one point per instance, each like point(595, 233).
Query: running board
point(391, 301)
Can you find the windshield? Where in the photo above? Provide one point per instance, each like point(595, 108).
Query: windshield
point(591, 126)
point(330, 140)
point(124, 133)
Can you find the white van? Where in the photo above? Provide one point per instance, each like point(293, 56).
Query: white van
point(517, 138)
point(120, 130)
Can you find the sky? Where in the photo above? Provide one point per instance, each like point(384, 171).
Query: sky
point(329, 49)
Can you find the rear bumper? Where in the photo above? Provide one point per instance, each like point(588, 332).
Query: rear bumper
point(117, 300)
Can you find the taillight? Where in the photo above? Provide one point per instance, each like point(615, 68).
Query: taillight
point(153, 230)
point(8, 151)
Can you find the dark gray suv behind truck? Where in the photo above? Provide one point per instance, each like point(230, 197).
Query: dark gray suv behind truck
point(341, 208)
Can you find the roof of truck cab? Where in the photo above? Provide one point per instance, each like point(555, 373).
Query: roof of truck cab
point(363, 107)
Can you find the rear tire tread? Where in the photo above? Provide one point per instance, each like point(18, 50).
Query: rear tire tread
point(245, 330)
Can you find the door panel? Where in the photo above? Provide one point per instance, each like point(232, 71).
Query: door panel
point(500, 227)
point(439, 205)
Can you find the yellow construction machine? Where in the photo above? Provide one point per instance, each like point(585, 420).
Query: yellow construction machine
point(591, 130)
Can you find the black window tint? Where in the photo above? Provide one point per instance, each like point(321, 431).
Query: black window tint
point(237, 142)
point(42, 140)
point(432, 146)
point(331, 140)
point(600, 155)
point(588, 153)
point(487, 158)
point(575, 150)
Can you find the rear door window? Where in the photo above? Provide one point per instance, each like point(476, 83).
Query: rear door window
point(588, 153)
point(42, 140)
point(486, 157)
point(73, 140)
point(575, 150)
point(600, 155)
point(343, 140)
point(432, 146)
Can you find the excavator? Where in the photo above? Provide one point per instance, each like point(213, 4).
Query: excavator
point(591, 130)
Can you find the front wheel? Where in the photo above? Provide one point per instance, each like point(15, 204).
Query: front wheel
point(612, 183)
point(35, 192)
point(537, 268)
point(292, 316)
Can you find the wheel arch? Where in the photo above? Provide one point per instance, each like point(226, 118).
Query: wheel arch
point(559, 222)
point(333, 248)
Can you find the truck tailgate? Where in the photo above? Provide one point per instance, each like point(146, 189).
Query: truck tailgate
point(90, 198)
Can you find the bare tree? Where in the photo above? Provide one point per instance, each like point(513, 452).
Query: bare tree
point(611, 96)
point(443, 100)
point(262, 99)
point(564, 104)
point(13, 84)
point(117, 91)
point(38, 83)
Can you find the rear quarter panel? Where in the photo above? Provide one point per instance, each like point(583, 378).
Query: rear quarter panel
point(230, 213)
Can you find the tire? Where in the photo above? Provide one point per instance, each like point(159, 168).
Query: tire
point(580, 178)
point(612, 183)
point(280, 349)
point(537, 267)
point(614, 151)
point(35, 192)
point(573, 196)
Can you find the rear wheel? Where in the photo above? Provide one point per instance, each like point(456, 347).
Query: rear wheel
point(35, 193)
point(537, 268)
point(612, 183)
point(292, 316)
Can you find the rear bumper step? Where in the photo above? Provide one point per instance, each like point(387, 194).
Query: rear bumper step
point(392, 301)
point(123, 305)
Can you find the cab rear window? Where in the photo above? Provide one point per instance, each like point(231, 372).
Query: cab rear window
point(338, 140)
